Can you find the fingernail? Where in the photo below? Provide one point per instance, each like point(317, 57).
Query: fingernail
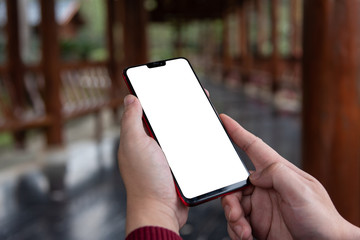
point(238, 231)
point(242, 235)
point(227, 212)
point(255, 175)
point(129, 99)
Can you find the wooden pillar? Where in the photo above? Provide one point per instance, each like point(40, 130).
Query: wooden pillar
point(112, 66)
point(275, 57)
point(15, 66)
point(331, 100)
point(50, 66)
point(135, 35)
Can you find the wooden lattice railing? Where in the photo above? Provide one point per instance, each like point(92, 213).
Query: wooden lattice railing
point(14, 117)
point(86, 88)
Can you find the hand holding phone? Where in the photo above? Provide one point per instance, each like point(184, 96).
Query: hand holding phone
point(181, 118)
point(151, 196)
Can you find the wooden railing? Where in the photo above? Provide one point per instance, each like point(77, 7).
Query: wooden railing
point(51, 92)
point(279, 71)
point(86, 87)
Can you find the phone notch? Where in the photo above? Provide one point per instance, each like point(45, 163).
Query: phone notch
point(156, 64)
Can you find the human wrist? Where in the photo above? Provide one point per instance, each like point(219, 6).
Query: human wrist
point(150, 212)
point(349, 231)
point(340, 229)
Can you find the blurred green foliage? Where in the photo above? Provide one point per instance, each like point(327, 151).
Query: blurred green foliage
point(284, 28)
point(163, 38)
point(89, 43)
point(5, 139)
point(161, 41)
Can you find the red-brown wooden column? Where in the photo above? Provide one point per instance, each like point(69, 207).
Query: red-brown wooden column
point(331, 100)
point(113, 47)
point(115, 50)
point(112, 66)
point(135, 36)
point(118, 34)
point(50, 65)
point(15, 66)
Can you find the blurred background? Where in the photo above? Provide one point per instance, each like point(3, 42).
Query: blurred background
point(287, 70)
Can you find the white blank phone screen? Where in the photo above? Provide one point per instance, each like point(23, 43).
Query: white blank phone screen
point(197, 148)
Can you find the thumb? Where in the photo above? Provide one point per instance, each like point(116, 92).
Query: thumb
point(282, 179)
point(131, 122)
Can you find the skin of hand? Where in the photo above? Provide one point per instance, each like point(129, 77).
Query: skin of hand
point(283, 202)
point(151, 195)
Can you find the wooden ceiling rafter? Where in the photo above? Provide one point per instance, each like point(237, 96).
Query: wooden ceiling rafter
point(179, 10)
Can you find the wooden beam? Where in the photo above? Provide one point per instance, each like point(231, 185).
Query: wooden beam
point(188, 10)
point(50, 63)
point(331, 101)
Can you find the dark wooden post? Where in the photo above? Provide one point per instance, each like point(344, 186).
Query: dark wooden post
point(135, 36)
point(275, 43)
point(15, 66)
point(112, 63)
point(50, 65)
point(331, 101)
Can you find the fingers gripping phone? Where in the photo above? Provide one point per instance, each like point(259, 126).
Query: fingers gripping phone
point(181, 118)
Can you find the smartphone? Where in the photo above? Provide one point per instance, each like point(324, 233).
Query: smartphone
point(181, 118)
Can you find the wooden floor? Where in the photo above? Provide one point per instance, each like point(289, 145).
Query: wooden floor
point(97, 210)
